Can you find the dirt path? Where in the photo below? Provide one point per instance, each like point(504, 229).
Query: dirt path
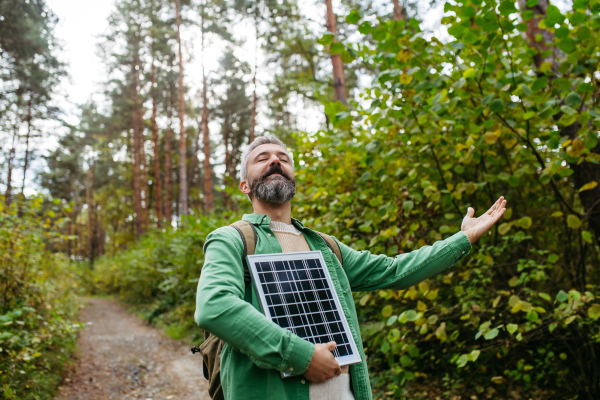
point(122, 358)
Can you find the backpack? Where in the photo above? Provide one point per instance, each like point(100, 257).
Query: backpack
point(212, 346)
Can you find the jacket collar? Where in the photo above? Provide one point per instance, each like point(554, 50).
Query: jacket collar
point(262, 219)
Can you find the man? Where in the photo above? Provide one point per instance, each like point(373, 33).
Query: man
point(257, 349)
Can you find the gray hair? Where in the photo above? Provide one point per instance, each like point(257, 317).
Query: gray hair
point(268, 139)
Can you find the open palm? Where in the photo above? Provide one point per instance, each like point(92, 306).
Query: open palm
point(475, 228)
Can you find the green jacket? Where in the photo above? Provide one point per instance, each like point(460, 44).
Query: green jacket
point(257, 349)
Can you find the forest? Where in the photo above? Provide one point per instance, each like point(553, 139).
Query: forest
point(396, 129)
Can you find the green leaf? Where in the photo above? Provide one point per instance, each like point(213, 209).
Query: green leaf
point(573, 100)
point(365, 28)
point(586, 236)
point(561, 297)
point(525, 222)
point(507, 7)
point(512, 328)
point(594, 311)
point(562, 84)
point(387, 311)
point(462, 361)
point(573, 221)
point(411, 315)
point(539, 83)
point(353, 17)
point(526, 90)
point(408, 205)
point(326, 39)
point(504, 228)
point(379, 34)
point(545, 296)
point(497, 105)
point(532, 316)
point(405, 360)
point(336, 48)
point(588, 186)
point(567, 45)
point(491, 334)
point(347, 57)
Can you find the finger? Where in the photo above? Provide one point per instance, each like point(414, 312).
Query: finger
point(499, 215)
point(331, 346)
point(338, 371)
point(501, 206)
point(470, 212)
point(493, 207)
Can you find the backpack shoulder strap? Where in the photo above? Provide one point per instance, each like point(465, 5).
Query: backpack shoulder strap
point(332, 244)
point(249, 237)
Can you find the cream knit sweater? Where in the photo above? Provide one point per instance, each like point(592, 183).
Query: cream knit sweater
point(337, 388)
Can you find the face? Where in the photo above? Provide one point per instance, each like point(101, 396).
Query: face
point(270, 175)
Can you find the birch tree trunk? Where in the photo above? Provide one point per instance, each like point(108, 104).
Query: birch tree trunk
point(339, 83)
point(183, 188)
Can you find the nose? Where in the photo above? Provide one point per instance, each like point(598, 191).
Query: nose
point(275, 160)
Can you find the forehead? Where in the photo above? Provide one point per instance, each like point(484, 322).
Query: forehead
point(269, 148)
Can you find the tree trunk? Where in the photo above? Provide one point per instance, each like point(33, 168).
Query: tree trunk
point(90, 207)
point(156, 184)
point(254, 99)
point(70, 221)
point(137, 179)
point(227, 178)
point(183, 192)
point(11, 156)
point(26, 161)
point(208, 187)
point(339, 83)
point(399, 13)
point(144, 174)
point(168, 163)
point(194, 160)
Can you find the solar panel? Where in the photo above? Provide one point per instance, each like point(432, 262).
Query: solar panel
point(296, 292)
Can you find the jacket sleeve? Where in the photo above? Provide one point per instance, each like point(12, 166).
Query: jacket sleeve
point(366, 271)
point(222, 311)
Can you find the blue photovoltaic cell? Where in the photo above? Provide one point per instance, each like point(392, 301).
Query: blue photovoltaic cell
point(299, 299)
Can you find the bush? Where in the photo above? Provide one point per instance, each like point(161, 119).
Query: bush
point(445, 127)
point(37, 303)
point(158, 276)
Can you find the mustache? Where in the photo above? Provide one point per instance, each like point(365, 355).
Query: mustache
point(275, 169)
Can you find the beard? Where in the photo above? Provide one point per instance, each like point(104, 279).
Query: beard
point(273, 190)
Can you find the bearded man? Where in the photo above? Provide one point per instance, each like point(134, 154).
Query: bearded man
point(256, 350)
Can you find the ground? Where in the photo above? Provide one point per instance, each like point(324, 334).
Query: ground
point(120, 357)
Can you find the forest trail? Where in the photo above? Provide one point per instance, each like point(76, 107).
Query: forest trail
point(120, 357)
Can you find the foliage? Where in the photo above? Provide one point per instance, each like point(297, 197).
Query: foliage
point(158, 276)
point(448, 126)
point(37, 303)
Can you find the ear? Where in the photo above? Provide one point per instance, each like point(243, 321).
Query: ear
point(245, 188)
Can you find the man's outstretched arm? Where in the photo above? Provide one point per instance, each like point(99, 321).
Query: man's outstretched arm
point(367, 271)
